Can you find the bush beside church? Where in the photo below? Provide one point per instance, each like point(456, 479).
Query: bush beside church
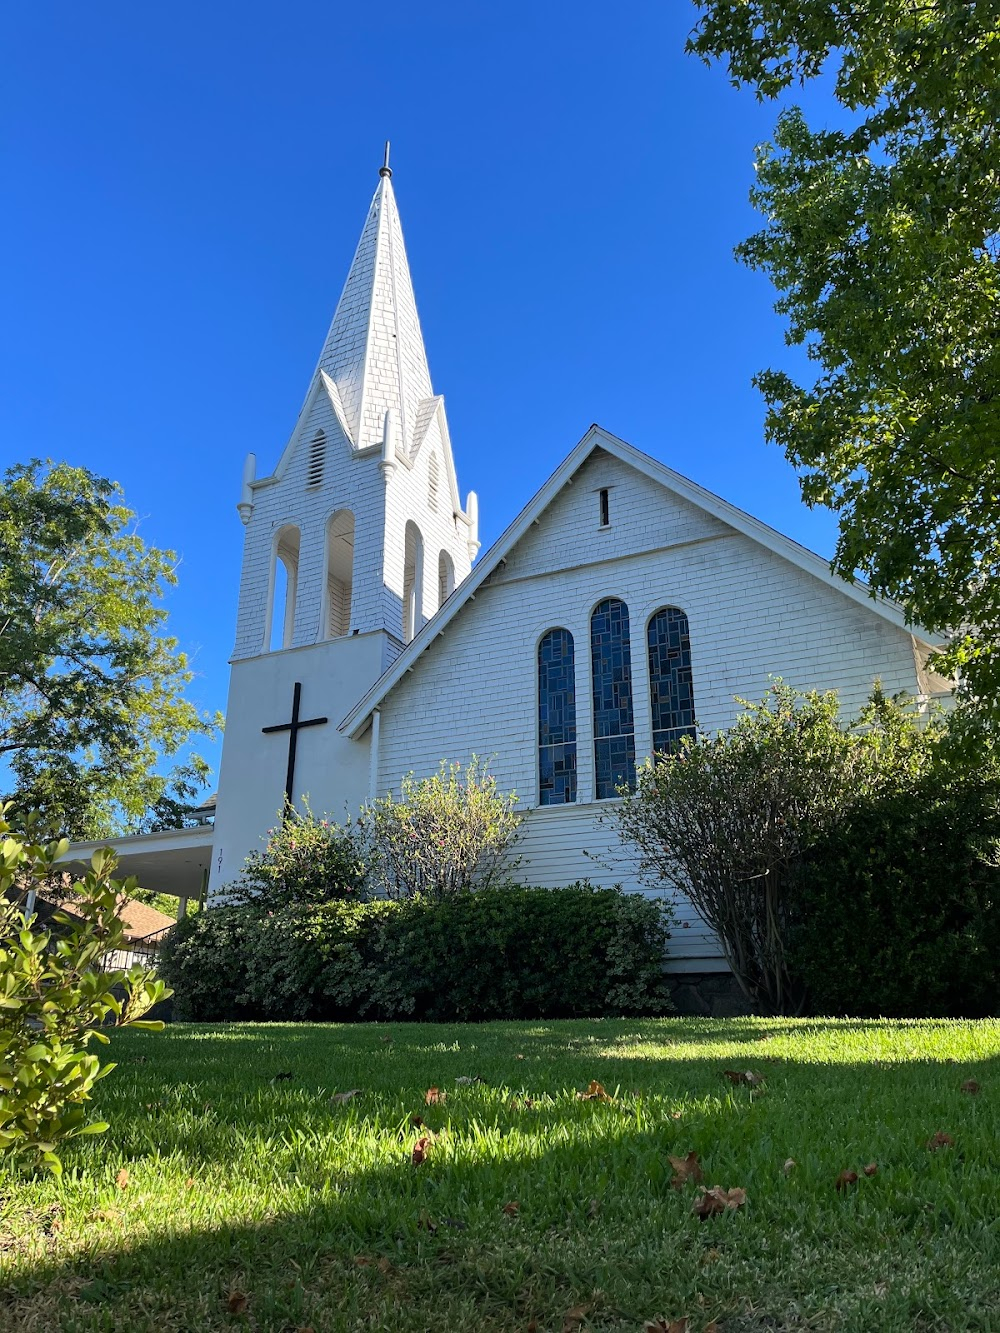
point(502, 953)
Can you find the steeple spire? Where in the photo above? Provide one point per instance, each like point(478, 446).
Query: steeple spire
point(374, 352)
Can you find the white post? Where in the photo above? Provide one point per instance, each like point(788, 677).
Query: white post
point(373, 757)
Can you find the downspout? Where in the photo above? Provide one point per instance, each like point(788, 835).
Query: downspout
point(373, 756)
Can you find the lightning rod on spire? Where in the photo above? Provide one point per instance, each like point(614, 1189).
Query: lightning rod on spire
point(385, 169)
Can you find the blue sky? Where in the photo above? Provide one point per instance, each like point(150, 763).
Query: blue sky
point(185, 186)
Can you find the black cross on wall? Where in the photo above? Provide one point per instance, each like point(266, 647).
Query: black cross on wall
point(293, 728)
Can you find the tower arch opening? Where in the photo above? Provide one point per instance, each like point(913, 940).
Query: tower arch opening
point(446, 577)
point(284, 587)
point(413, 580)
point(339, 581)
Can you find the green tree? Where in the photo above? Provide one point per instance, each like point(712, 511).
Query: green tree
point(91, 690)
point(882, 241)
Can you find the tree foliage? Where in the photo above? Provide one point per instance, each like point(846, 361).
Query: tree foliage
point(445, 835)
point(55, 999)
point(882, 241)
point(727, 820)
point(91, 689)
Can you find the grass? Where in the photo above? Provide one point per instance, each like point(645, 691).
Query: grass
point(253, 1203)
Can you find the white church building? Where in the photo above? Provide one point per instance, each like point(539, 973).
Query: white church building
point(620, 605)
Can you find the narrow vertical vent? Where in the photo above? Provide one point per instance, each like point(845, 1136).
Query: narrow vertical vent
point(432, 483)
point(317, 457)
point(605, 509)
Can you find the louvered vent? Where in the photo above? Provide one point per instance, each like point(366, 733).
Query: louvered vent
point(317, 457)
point(432, 483)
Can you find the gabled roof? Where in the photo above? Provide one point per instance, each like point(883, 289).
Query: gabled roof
point(598, 438)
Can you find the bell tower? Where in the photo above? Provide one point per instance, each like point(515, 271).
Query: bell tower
point(350, 546)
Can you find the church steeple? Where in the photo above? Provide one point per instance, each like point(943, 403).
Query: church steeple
point(374, 352)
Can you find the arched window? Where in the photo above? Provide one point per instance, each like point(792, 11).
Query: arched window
point(432, 482)
point(284, 582)
point(339, 573)
point(671, 692)
point(317, 457)
point(413, 581)
point(614, 731)
point(556, 719)
point(446, 577)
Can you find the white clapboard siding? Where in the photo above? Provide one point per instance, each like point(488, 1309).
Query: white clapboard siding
point(561, 844)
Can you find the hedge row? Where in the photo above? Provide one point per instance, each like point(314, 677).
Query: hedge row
point(503, 953)
point(897, 912)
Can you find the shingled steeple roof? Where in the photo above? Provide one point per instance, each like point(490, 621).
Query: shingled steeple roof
point(374, 352)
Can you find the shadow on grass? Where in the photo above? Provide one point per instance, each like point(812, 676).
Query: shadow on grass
point(318, 1216)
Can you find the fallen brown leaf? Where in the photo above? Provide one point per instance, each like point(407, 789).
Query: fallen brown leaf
point(384, 1266)
point(512, 1209)
point(747, 1076)
point(433, 1096)
point(940, 1140)
point(121, 1180)
point(420, 1149)
point(189, 1183)
point(595, 1093)
point(665, 1325)
point(871, 1169)
point(846, 1179)
point(573, 1318)
point(237, 1302)
point(339, 1098)
point(971, 1087)
point(685, 1169)
point(717, 1200)
point(789, 1166)
point(416, 1121)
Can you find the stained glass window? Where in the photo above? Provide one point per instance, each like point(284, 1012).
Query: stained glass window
point(614, 732)
point(556, 719)
point(670, 688)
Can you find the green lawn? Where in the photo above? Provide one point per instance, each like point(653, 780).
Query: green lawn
point(250, 1191)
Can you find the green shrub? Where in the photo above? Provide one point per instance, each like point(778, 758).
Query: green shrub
point(54, 998)
point(206, 959)
point(443, 836)
point(795, 826)
point(898, 909)
point(507, 952)
point(516, 952)
point(306, 861)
